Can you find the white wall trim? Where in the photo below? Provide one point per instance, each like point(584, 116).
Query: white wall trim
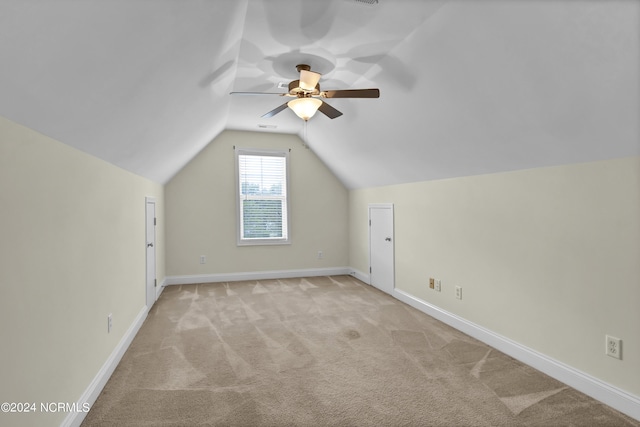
point(591, 386)
point(363, 277)
point(74, 419)
point(255, 275)
point(160, 288)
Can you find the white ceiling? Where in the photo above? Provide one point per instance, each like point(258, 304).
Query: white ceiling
point(467, 87)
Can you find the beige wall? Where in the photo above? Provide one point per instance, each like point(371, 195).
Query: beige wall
point(72, 250)
point(201, 212)
point(549, 257)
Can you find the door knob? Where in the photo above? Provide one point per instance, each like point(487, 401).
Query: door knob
point(388, 239)
point(149, 245)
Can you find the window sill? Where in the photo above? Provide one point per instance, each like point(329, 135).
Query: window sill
point(264, 243)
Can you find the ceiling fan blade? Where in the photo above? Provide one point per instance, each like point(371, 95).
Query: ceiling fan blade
point(257, 93)
point(275, 111)
point(352, 93)
point(329, 111)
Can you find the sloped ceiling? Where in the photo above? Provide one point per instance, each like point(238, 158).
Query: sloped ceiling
point(467, 87)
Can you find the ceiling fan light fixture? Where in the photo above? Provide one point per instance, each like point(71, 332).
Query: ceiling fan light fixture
point(309, 80)
point(305, 108)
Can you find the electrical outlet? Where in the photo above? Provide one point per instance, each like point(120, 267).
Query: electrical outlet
point(432, 283)
point(614, 347)
point(458, 292)
point(109, 322)
point(438, 285)
point(203, 259)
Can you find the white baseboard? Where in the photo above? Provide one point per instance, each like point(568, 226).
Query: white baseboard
point(366, 278)
point(255, 275)
point(74, 419)
point(160, 288)
point(591, 386)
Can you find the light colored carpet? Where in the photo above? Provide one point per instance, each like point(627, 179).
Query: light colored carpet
point(322, 351)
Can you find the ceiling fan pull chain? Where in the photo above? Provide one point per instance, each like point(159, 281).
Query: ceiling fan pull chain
point(304, 134)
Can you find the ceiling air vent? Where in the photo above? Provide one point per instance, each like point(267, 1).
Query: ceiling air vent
point(367, 1)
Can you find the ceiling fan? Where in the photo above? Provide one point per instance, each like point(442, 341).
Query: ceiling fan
point(306, 93)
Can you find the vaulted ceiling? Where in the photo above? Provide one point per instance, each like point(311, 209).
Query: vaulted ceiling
point(467, 87)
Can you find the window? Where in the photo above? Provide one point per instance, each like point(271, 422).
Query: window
point(262, 189)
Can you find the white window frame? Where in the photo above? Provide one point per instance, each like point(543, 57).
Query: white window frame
point(242, 241)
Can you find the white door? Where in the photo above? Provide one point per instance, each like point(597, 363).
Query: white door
point(381, 241)
point(151, 252)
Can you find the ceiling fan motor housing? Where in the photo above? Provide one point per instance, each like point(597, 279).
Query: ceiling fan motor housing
point(295, 89)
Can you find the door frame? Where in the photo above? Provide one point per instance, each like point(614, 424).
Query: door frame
point(151, 293)
point(389, 206)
